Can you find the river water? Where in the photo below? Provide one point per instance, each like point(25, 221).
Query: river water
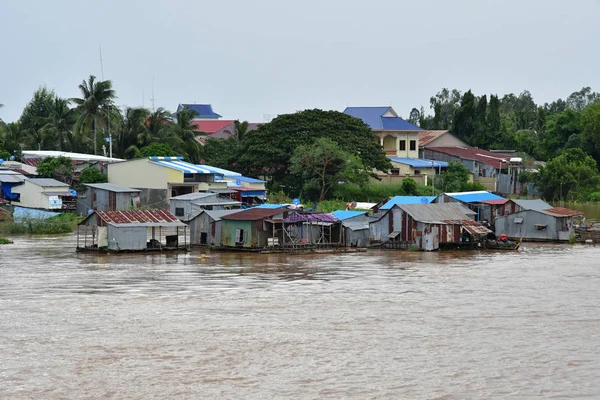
point(381, 324)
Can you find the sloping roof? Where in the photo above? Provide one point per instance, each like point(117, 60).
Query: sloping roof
point(180, 165)
point(47, 182)
point(156, 217)
point(40, 154)
point(419, 162)
point(436, 212)
point(310, 217)
point(536, 204)
point(254, 214)
point(111, 187)
point(475, 197)
point(12, 178)
point(210, 126)
point(476, 154)
point(271, 206)
point(245, 179)
point(216, 215)
point(344, 215)
point(396, 200)
point(561, 212)
point(194, 196)
point(374, 117)
point(426, 137)
point(202, 110)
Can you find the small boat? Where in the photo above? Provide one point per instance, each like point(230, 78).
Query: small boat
point(502, 243)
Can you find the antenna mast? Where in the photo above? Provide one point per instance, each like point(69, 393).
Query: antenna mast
point(152, 98)
point(101, 66)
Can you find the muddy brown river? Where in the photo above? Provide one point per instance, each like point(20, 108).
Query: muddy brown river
point(382, 324)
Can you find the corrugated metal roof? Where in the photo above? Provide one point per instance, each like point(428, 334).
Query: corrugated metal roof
point(202, 110)
point(419, 162)
point(475, 197)
point(474, 228)
point(111, 187)
point(373, 116)
point(310, 217)
point(495, 202)
point(426, 137)
point(178, 164)
point(396, 200)
point(194, 196)
point(221, 171)
point(561, 212)
point(136, 216)
point(216, 215)
point(436, 212)
point(47, 182)
point(12, 178)
point(271, 206)
point(343, 215)
point(244, 179)
point(254, 213)
point(40, 154)
point(536, 204)
point(476, 154)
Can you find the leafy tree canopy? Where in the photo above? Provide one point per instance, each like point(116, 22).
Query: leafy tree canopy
point(92, 175)
point(455, 178)
point(268, 150)
point(322, 165)
point(59, 168)
point(155, 149)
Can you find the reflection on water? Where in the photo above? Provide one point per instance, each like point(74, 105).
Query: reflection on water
point(381, 324)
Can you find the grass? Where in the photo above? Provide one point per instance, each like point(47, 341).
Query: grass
point(5, 241)
point(63, 223)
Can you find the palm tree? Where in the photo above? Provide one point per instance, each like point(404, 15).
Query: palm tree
point(59, 123)
point(96, 98)
point(183, 138)
point(241, 129)
point(132, 133)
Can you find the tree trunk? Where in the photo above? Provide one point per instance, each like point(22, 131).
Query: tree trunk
point(95, 138)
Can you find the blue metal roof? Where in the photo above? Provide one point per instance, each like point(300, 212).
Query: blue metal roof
point(202, 110)
point(221, 171)
point(373, 116)
point(270, 206)
point(475, 197)
point(245, 179)
point(419, 162)
point(178, 164)
point(343, 215)
point(407, 200)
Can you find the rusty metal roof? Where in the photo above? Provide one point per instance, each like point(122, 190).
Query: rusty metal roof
point(426, 137)
point(255, 213)
point(561, 212)
point(474, 228)
point(136, 216)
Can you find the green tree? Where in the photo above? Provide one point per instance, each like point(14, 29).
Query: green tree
point(34, 118)
point(465, 118)
point(220, 153)
point(582, 99)
point(155, 150)
point(590, 126)
point(455, 177)
point(414, 117)
point(480, 134)
point(59, 122)
point(322, 165)
point(59, 168)
point(409, 187)
point(444, 105)
point(561, 127)
point(573, 175)
point(4, 154)
point(133, 133)
point(493, 118)
point(184, 136)
point(241, 129)
point(13, 135)
point(97, 98)
point(92, 175)
point(267, 151)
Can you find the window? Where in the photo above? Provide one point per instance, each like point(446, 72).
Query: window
point(518, 220)
point(413, 145)
point(403, 145)
point(417, 172)
point(239, 236)
point(540, 227)
point(395, 171)
point(179, 211)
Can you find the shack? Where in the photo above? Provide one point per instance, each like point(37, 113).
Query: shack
point(45, 194)
point(484, 203)
point(516, 205)
point(302, 229)
point(107, 197)
point(355, 225)
point(136, 230)
point(431, 226)
point(186, 207)
point(553, 224)
point(8, 180)
point(252, 229)
point(205, 227)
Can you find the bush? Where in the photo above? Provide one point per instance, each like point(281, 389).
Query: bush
point(5, 241)
point(595, 197)
point(63, 223)
point(92, 175)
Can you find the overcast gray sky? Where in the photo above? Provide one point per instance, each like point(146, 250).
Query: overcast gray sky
point(255, 58)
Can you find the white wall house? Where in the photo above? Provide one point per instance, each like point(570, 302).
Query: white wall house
point(43, 194)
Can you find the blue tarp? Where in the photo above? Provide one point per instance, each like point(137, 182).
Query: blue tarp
point(21, 213)
point(407, 200)
point(7, 190)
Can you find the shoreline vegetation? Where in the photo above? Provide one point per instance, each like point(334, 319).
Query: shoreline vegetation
point(60, 224)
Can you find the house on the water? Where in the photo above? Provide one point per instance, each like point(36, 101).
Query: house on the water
point(188, 206)
point(302, 230)
point(530, 222)
point(482, 202)
point(516, 205)
point(355, 226)
point(254, 228)
point(431, 226)
point(136, 230)
point(107, 197)
point(205, 227)
point(45, 194)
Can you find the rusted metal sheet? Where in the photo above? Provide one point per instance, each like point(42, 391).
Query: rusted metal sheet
point(136, 216)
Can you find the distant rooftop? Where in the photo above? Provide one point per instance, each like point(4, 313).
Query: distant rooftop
point(381, 118)
point(202, 110)
point(72, 156)
point(111, 187)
